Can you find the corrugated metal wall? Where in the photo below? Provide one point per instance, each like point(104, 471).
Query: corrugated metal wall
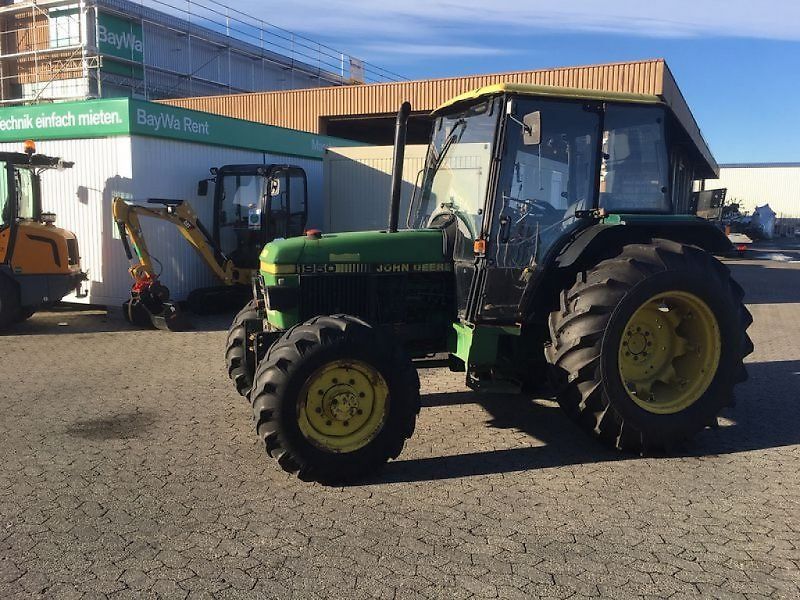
point(139, 168)
point(303, 109)
point(358, 184)
point(751, 186)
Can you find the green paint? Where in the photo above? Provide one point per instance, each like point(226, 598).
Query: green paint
point(120, 38)
point(94, 118)
point(646, 218)
point(359, 247)
point(127, 116)
point(476, 345)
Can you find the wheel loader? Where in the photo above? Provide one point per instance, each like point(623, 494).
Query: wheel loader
point(550, 248)
point(252, 204)
point(39, 262)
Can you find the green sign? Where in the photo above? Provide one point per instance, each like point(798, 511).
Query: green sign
point(65, 120)
point(121, 39)
point(126, 116)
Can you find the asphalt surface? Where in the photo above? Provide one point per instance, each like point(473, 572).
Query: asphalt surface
point(130, 469)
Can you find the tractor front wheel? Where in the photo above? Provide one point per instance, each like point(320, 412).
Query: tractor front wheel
point(238, 361)
point(335, 399)
point(647, 346)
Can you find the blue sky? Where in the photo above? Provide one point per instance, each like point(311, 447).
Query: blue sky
point(736, 61)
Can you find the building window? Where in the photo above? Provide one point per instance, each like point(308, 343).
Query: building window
point(65, 27)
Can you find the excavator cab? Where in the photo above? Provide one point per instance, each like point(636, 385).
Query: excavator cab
point(39, 262)
point(254, 204)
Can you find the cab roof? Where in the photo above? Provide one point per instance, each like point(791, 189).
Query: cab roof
point(706, 165)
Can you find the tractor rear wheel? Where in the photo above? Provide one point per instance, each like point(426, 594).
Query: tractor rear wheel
point(647, 346)
point(335, 399)
point(241, 368)
point(9, 302)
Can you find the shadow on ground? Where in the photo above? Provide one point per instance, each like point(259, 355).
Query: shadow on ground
point(122, 426)
point(72, 319)
point(767, 282)
point(767, 415)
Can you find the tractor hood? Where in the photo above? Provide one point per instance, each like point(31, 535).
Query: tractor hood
point(363, 247)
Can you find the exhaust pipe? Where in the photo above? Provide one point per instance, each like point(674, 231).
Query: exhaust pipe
point(401, 125)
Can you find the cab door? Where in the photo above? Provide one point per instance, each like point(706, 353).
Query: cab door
point(543, 181)
point(285, 203)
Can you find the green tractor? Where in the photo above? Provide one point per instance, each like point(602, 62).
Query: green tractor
point(550, 246)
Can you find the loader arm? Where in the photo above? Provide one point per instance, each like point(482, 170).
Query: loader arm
point(180, 214)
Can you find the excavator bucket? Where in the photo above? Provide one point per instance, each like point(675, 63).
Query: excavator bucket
point(168, 317)
point(150, 307)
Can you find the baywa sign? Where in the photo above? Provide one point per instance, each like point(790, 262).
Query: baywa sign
point(120, 38)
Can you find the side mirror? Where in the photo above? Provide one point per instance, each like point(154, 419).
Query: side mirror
point(202, 187)
point(274, 186)
point(532, 128)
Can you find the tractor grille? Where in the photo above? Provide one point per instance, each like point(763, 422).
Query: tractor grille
point(72, 252)
point(329, 295)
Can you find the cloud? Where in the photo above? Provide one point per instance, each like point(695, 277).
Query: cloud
point(408, 49)
point(388, 30)
point(410, 19)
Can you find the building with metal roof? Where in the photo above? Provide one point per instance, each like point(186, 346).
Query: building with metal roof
point(366, 112)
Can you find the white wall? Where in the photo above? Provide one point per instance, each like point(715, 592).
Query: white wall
point(751, 186)
point(358, 185)
point(139, 168)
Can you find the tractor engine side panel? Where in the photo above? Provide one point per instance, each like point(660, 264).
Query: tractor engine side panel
point(418, 306)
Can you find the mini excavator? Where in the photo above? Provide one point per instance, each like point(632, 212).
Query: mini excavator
point(253, 204)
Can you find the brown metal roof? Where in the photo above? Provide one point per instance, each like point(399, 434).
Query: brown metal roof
point(307, 109)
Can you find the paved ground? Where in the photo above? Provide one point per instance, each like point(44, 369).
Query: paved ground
point(129, 468)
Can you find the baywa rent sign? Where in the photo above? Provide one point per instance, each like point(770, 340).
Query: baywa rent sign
point(124, 116)
point(119, 38)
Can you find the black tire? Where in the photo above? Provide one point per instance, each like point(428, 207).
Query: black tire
point(241, 368)
point(292, 360)
point(9, 302)
point(592, 317)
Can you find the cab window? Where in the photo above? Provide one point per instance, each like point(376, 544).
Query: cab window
point(26, 207)
point(634, 169)
point(5, 201)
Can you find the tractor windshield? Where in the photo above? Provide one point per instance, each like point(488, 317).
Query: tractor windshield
point(457, 168)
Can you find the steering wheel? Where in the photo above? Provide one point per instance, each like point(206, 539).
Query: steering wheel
point(540, 208)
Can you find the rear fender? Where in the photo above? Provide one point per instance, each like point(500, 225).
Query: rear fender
point(606, 239)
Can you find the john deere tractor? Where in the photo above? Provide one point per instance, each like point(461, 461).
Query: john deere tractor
point(550, 244)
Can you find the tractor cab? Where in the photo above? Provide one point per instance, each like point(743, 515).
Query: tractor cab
point(516, 172)
point(254, 204)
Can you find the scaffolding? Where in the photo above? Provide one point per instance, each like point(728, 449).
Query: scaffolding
point(55, 50)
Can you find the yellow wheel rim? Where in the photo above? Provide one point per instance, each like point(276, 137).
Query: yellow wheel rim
point(669, 352)
point(343, 406)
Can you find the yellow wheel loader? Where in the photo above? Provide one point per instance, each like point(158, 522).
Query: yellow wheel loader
point(39, 262)
point(253, 204)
